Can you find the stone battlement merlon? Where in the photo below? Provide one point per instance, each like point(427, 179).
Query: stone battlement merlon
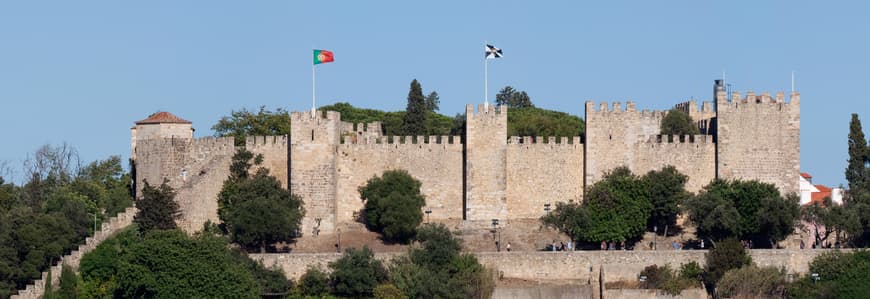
point(604, 109)
point(490, 111)
point(702, 139)
point(692, 107)
point(549, 140)
point(305, 116)
point(400, 140)
point(764, 98)
point(253, 141)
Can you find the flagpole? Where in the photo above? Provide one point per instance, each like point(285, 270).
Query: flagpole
point(313, 91)
point(485, 81)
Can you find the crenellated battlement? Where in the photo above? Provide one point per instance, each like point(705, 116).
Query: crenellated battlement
point(305, 116)
point(605, 110)
point(691, 107)
point(763, 98)
point(256, 141)
point(676, 139)
point(549, 141)
point(403, 140)
point(486, 111)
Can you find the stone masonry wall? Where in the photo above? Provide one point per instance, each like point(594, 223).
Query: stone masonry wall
point(579, 266)
point(435, 161)
point(541, 173)
point(611, 135)
point(275, 155)
point(313, 175)
point(108, 229)
point(693, 156)
point(195, 168)
point(759, 139)
point(486, 163)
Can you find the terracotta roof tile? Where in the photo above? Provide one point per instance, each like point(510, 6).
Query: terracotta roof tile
point(163, 117)
point(819, 197)
point(806, 175)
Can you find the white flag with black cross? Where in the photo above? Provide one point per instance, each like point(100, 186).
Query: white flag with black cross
point(492, 52)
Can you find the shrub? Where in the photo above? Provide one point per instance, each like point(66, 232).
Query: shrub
point(388, 291)
point(314, 282)
point(752, 281)
point(393, 205)
point(728, 254)
point(356, 273)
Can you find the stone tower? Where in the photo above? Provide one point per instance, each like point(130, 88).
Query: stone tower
point(313, 174)
point(160, 125)
point(486, 163)
point(758, 138)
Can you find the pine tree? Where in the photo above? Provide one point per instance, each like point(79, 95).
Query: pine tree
point(856, 170)
point(415, 114)
point(157, 208)
point(433, 101)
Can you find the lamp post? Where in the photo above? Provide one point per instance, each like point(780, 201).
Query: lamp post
point(655, 237)
point(547, 208)
point(338, 245)
point(495, 233)
point(428, 211)
point(815, 277)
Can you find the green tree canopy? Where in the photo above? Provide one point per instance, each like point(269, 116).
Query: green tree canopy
point(257, 211)
point(677, 122)
point(748, 210)
point(393, 205)
point(243, 123)
point(508, 96)
point(618, 207)
point(437, 268)
point(168, 264)
point(728, 254)
point(531, 121)
point(414, 122)
point(357, 273)
point(666, 190)
point(157, 208)
point(433, 101)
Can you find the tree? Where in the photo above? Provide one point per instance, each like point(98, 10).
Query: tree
point(728, 254)
point(314, 282)
point(859, 155)
point(357, 273)
point(256, 209)
point(532, 121)
point(437, 269)
point(243, 123)
point(414, 122)
point(679, 123)
point(618, 207)
point(570, 218)
point(169, 264)
point(840, 275)
point(388, 291)
point(666, 189)
point(157, 208)
point(433, 101)
point(508, 96)
point(752, 282)
point(393, 205)
point(748, 210)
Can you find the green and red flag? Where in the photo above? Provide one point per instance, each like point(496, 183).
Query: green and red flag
point(323, 56)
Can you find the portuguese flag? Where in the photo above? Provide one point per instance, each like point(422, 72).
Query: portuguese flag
point(323, 56)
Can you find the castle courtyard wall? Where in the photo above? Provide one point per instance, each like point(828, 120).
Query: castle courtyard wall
point(436, 161)
point(541, 173)
point(693, 156)
point(275, 152)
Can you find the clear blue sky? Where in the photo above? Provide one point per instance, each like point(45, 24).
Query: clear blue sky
point(83, 71)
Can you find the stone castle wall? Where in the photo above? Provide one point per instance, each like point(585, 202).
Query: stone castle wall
point(487, 176)
point(542, 171)
point(436, 161)
point(486, 163)
point(581, 266)
point(275, 152)
point(759, 139)
point(195, 168)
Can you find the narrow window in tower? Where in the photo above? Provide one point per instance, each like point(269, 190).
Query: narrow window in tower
point(312, 135)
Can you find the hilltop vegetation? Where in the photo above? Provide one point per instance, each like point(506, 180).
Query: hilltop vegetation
point(524, 119)
point(54, 210)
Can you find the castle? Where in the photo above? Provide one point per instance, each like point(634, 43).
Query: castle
point(483, 175)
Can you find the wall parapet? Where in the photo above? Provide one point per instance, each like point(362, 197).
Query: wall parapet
point(550, 140)
point(403, 140)
point(764, 98)
point(254, 141)
point(604, 109)
point(702, 139)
